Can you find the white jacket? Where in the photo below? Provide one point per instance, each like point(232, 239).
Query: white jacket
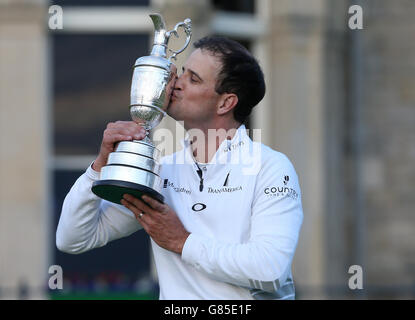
point(244, 224)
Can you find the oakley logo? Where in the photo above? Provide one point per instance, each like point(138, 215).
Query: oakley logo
point(198, 207)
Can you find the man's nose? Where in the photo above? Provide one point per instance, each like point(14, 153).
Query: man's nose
point(179, 83)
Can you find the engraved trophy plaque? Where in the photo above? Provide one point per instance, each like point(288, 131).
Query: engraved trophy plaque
point(134, 167)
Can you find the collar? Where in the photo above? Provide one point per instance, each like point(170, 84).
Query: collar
point(227, 149)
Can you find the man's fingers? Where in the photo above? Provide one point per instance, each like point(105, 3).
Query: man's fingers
point(127, 125)
point(118, 137)
point(128, 128)
point(154, 204)
point(132, 208)
point(139, 215)
point(138, 203)
point(112, 135)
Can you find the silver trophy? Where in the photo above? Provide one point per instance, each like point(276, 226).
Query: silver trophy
point(134, 167)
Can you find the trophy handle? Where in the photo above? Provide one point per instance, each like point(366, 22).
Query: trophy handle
point(187, 26)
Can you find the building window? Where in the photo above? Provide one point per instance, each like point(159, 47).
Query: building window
point(92, 80)
point(243, 6)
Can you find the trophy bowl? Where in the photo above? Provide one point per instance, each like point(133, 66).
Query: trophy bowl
point(146, 116)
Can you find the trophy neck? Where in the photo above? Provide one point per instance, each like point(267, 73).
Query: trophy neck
point(159, 50)
point(147, 141)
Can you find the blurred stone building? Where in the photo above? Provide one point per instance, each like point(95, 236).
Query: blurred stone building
point(340, 104)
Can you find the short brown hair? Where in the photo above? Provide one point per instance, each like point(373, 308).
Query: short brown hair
point(240, 74)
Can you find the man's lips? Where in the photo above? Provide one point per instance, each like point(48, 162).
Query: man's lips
point(174, 95)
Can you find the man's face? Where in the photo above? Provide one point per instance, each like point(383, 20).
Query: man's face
point(194, 99)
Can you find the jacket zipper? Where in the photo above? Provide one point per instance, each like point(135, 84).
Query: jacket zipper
point(200, 174)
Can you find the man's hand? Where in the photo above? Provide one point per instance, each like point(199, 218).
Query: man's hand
point(116, 132)
point(160, 222)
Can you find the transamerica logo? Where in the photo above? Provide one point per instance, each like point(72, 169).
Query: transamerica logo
point(224, 189)
point(177, 189)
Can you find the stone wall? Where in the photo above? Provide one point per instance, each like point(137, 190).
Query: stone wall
point(24, 136)
point(389, 144)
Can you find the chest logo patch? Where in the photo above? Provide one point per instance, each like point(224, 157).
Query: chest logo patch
point(198, 207)
point(169, 184)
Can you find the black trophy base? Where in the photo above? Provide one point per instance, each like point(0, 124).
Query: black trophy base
point(114, 190)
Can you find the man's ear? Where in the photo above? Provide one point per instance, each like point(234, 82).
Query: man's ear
point(227, 102)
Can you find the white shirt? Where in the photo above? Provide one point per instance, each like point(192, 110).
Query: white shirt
point(244, 224)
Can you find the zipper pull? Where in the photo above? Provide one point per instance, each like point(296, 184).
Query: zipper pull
point(200, 173)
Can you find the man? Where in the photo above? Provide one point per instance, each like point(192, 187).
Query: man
point(223, 232)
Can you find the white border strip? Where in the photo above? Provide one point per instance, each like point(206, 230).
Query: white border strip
point(245, 26)
point(106, 19)
point(72, 162)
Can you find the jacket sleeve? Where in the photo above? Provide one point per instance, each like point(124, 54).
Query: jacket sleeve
point(88, 222)
point(264, 261)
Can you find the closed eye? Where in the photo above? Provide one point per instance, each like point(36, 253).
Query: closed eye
point(194, 77)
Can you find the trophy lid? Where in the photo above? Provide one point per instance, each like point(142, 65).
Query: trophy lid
point(153, 61)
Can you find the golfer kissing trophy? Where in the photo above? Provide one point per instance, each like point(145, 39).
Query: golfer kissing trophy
point(133, 167)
